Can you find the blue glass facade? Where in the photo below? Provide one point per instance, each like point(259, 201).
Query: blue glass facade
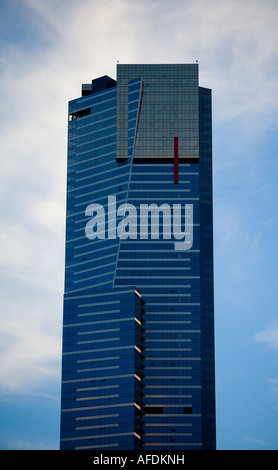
point(138, 336)
point(102, 364)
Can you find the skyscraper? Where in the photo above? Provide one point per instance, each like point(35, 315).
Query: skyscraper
point(138, 326)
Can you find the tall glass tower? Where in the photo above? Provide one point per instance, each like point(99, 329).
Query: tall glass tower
point(138, 327)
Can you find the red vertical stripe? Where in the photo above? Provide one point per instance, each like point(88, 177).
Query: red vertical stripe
point(176, 160)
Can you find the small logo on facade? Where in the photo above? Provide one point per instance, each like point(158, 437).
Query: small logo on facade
point(133, 226)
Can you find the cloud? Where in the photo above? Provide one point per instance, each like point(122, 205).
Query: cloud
point(274, 384)
point(30, 342)
point(269, 336)
point(234, 42)
point(254, 440)
point(53, 48)
point(22, 444)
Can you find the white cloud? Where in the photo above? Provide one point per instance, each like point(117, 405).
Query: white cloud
point(269, 336)
point(30, 342)
point(254, 440)
point(235, 43)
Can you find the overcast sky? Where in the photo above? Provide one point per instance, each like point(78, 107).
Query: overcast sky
point(48, 49)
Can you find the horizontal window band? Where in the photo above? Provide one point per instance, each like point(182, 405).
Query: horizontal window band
point(152, 259)
point(160, 173)
point(186, 425)
point(172, 386)
point(111, 330)
point(102, 340)
point(93, 98)
point(100, 312)
point(141, 224)
point(154, 289)
point(118, 290)
point(100, 359)
point(169, 322)
point(136, 246)
point(98, 322)
point(97, 183)
point(170, 304)
point(96, 436)
point(156, 444)
point(86, 351)
point(115, 242)
point(169, 349)
point(166, 312)
point(109, 144)
point(82, 140)
point(169, 396)
point(152, 159)
point(96, 128)
point(82, 263)
point(95, 167)
point(97, 139)
point(97, 369)
point(149, 248)
point(168, 377)
point(98, 426)
point(99, 446)
point(174, 359)
point(93, 159)
point(173, 295)
point(187, 417)
point(155, 191)
point(121, 196)
point(147, 268)
point(94, 277)
point(106, 397)
point(93, 379)
point(173, 434)
point(97, 304)
point(118, 405)
point(169, 340)
point(107, 148)
point(103, 248)
point(89, 127)
point(150, 198)
point(100, 284)
point(92, 269)
point(127, 246)
point(156, 182)
point(84, 418)
point(104, 387)
point(159, 277)
point(76, 239)
point(173, 331)
point(153, 368)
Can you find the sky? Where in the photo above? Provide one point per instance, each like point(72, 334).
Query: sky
point(48, 49)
